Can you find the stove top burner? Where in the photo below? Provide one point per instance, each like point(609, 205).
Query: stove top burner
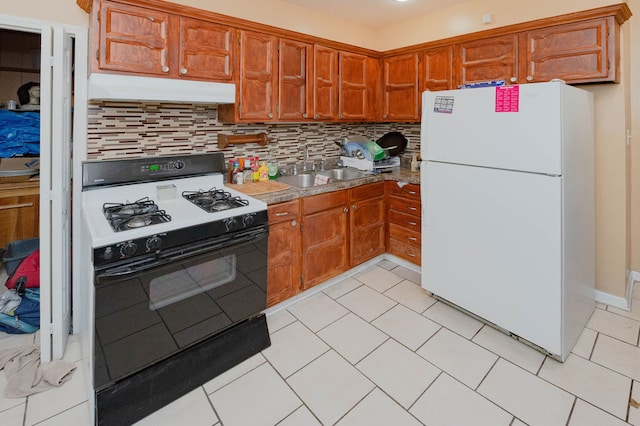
point(214, 200)
point(124, 216)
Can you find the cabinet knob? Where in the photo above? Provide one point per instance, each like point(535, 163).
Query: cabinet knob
point(317, 116)
point(165, 68)
point(346, 210)
point(183, 71)
point(304, 115)
point(384, 116)
point(513, 79)
point(270, 115)
point(529, 78)
point(341, 115)
point(353, 207)
point(294, 223)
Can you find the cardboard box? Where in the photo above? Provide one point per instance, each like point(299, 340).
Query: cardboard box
point(18, 169)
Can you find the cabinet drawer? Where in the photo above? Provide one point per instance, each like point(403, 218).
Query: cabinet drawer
point(281, 212)
point(365, 192)
point(409, 190)
point(405, 235)
point(405, 251)
point(405, 205)
point(321, 202)
point(405, 220)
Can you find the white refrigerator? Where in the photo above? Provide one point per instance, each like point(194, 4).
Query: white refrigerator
point(507, 186)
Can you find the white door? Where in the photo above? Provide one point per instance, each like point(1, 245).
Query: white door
point(492, 244)
point(55, 190)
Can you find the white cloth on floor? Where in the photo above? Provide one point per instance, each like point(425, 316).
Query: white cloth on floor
point(9, 301)
point(26, 375)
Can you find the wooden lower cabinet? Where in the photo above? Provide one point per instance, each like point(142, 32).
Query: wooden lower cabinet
point(283, 278)
point(366, 222)
point(325, 242)
point(316, 238)
point(20, 211)
point(404, 223)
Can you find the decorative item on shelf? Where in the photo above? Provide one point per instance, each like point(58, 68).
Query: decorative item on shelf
point(226, 140)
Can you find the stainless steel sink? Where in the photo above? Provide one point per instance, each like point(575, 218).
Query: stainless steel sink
point(342, 174)
point(305, 180)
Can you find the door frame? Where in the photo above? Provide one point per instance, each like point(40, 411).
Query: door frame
point(48, 31)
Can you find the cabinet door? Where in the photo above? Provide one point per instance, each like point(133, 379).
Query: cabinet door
point(20, 216)
point(133, 39)
point(294, 88)
point(258, 76)
point(325, 245)
point(366, 222)
point(206, 50)
point(400, 82)
point(283, 277)
point(436, 69)
point(358, 82)
point(325, 83)
point(494, 58)
point(575, 53)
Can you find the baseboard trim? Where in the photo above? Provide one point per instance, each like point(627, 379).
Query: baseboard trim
point(611, 300)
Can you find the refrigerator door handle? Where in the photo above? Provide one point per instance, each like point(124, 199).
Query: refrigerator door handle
point(426, 211)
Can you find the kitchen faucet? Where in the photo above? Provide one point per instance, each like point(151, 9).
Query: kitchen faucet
point(305, 159)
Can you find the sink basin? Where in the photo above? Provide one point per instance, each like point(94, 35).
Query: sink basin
point(342, 174)
point(306, 180)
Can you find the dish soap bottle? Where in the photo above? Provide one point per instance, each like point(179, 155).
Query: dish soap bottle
point(263, 172)
point(272, 167)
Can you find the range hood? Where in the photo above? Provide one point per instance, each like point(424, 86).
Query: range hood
point(115, 87)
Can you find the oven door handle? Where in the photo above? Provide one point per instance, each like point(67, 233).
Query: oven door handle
point(177, 254)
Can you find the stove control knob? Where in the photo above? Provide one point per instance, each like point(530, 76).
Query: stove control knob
point(153, 243)
point(128, 249)
point(179, 164)
point(230, 224)
point(248, 219)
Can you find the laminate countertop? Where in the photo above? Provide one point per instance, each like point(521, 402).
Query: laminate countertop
point(397, 174)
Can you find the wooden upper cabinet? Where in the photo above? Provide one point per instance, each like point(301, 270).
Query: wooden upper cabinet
point(494, 58)
point(576, 53)
point(359, 82)
point(294, 80)
point(400, 98)
point(133, 39)
point(258, 88)
point(325, 83)
point(146, 41)
point(206, 50)
point(436, 69)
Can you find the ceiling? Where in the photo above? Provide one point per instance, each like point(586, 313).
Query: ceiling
point(375, 12)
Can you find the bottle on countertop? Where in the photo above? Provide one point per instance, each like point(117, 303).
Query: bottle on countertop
point(263, 172)
point(248, 174)
point(234, 172)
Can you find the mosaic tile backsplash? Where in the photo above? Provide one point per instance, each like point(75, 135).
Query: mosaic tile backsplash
point(128, 130)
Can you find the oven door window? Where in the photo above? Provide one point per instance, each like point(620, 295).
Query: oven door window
point(188, 281)
point(146, 316)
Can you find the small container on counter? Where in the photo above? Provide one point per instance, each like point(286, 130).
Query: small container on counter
point(247, 174)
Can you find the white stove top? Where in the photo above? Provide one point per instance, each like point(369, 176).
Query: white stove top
point(183, 213)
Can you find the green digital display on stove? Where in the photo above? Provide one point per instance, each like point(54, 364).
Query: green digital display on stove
point(154, 168)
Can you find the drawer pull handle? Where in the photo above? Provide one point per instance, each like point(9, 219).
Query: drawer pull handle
point(282, 214)
point(412, 192)
point(413, 209)
point(412, 223)
point(16, 206)
point(412, 239)
point(410, 254)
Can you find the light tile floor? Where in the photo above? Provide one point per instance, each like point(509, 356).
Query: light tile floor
point(374, 349)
